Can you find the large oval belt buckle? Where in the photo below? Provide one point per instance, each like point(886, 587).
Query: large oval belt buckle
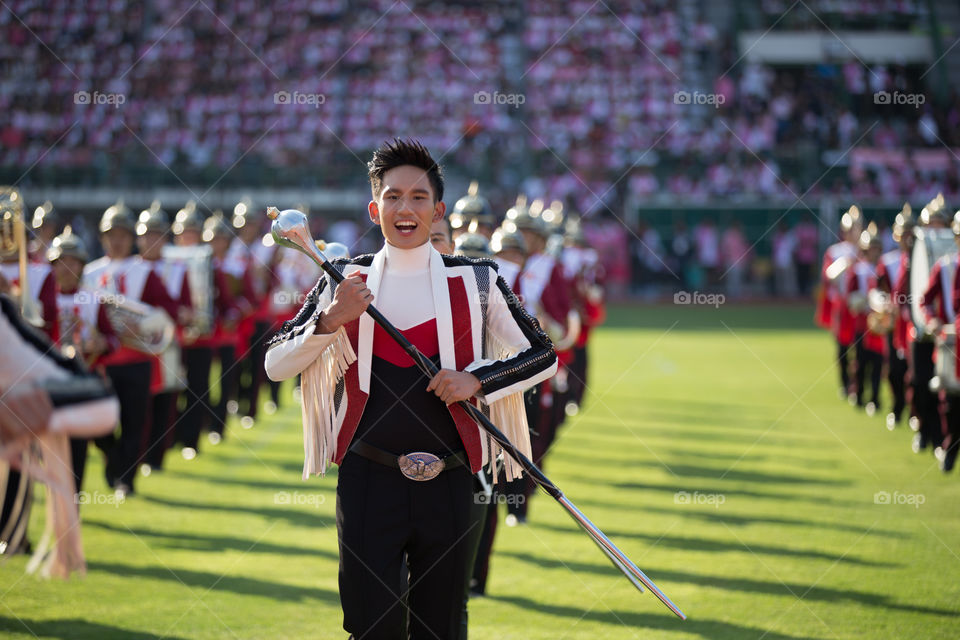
point(420, 466)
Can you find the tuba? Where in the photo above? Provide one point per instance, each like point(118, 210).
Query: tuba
point(138, 325)
point(13, 241)
point(882, 312)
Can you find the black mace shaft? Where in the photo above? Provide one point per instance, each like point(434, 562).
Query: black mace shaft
point(290, 229)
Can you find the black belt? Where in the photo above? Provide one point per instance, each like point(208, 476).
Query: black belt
point(418, 465)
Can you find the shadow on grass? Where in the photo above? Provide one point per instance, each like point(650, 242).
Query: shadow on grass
point(205, 580)
point(73, 629)
point(722, 546)
point(742, 521)
point(295, 483)
point(744, 493)
point(290, 513)
point(696, 471)
point(714, 629)
point(747, 585)
point(195, 542)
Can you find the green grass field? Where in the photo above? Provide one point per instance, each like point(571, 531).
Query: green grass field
point(712, 448)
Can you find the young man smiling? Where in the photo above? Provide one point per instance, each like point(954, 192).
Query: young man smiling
point(405, 450)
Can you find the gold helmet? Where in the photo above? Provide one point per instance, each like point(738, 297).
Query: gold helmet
point(472, 245)
point(216, 227)
point(852, 219)
point(935, 211)
point(869, 238)
point(523, 218)
point(242, 213)
point(504, 240)
point(153, 219)
point(472, 207)
point(43, 215)
point(68, 245)
point(188, 219)
point(904, 223)
point(117, 216)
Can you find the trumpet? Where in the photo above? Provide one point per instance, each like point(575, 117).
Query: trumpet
point(13, 241)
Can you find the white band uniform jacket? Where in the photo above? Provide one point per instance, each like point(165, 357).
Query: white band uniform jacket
point(482, 328)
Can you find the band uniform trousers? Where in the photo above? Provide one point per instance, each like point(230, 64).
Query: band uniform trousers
point(381, 516)
point(897, 375)
point(196, 412)
point(131, 381)
point(925, 402)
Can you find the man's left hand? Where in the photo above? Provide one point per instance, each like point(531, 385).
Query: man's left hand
point(453, 386)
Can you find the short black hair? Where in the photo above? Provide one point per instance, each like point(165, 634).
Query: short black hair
point(398, 153)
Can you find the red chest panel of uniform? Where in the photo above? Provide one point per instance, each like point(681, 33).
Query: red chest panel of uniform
point(423, 336)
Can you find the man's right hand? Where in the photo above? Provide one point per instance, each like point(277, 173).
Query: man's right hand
point(350, 300)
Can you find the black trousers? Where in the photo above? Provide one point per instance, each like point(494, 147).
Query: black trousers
point(868, 360)
point(951, 435)
point(251, 369)
point(164, 410)
point(926, 404)
point(197, 410)
point(843, 359)
point(132, 384)
point(897, 375)
point(577, 378)
point(227, 385)
point(383, 517)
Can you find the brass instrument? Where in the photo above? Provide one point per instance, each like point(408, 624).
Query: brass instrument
point(13, 240)
point(139, 326)
point(882, 313)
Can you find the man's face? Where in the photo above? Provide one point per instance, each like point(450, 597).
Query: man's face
point(440, 236)
point(405, 209)
point(535, 243)
point(220, 245)
point(117, 243)
point(188, 238)
point(151, 245)
point(67, 272)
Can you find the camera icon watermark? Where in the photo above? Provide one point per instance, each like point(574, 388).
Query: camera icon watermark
point(911, 99)
point(697, 497)
point(98, 98)
point(699, 298)
point(686, 97)
point(289, 298)
point(314, 500)
point(914, 500)
point(499, 498)
point(310, 99)
point(509, 99)
point(98, 498)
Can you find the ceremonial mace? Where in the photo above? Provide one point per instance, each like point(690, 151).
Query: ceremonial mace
point(290, 229)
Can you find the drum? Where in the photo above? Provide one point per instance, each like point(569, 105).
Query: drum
point(946, 369)
point(931, 245)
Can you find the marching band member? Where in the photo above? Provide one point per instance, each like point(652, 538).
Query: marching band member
point(870, 346)
point(251, 264)
point(40, 283)
point(545, 293)
point(926, 407)
point(119, 275)
point(441, 236)
point(166, 379)
point(78, 322)
point(893, 277)
point(583, 268)
point(939, 308)
point(472, 214)
point(383, 513)
point(832, 312)
point(198, 352)
point(510, 252)
point(46, 226)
